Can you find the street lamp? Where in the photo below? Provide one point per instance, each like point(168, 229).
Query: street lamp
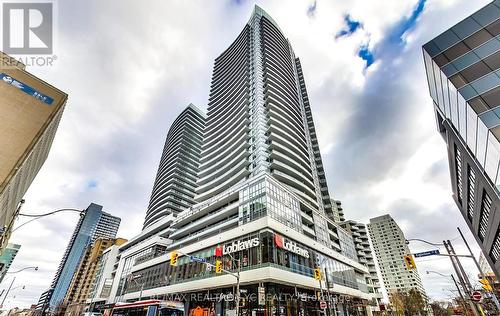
point(34, 268)
point(407, 241)
point(17, 287)
point(37, 216)
point(13, 279)
point(435, 272)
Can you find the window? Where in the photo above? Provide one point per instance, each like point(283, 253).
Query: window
point(470, 192)
point(485, 214)
point(495, 248)
point(458, 173)
point(477, 39)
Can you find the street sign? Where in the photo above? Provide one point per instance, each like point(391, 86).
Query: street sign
point(476, 296)
point(426, 253)
point(322, 304)
point(197, 259)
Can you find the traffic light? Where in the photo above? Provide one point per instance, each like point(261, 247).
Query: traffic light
point(486, 285)
point(218, 266)
point(410, 263)
point(317, 274)
point(173, 258)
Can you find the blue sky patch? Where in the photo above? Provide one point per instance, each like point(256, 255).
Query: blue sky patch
point(349, 28)
point(365, 54)
point(91, 184)
point(311, 11)
point(406, 24)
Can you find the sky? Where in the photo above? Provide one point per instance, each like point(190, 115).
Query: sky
point(130, 67)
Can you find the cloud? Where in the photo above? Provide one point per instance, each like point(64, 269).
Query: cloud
point(130, 68)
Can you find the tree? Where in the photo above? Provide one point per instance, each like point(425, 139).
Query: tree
point(438, 309)
point(416, 303)
point(408, 303)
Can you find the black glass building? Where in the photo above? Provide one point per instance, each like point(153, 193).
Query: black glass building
point(463, 74)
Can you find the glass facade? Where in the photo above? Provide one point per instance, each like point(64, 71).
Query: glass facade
point(266, 254)
point(93, 225)
point(462, 66)
point(267, 198)
point(129, 262)
point(463, 72)
point(8, 255)
point(347, 245)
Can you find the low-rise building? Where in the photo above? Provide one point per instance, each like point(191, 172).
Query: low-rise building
point(6, 259)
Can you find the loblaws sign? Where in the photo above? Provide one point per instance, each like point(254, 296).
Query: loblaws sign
point(237, 245)
point(290, 246)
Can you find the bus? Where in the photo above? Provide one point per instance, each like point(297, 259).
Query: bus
point(148, 308)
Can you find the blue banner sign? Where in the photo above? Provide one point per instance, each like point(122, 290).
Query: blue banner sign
point(26, 89)
point(426, 253)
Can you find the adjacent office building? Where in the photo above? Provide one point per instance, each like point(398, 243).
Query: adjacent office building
point(260, 198)
point(83, 278)
point(174, 187)
point(6, 259)
point(365, 256)
point(30, 111)
point(389, 244)
point(462, 72)
point(93, 224)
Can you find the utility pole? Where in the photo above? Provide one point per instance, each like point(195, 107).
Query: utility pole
point(236, 275)
point(328, 291)
point(320, 288)
point(459, 293)
point(460, 276)
point(483, 276)
point(8, 290)
point(459, 265)
point(142, 289)
point(238, 288)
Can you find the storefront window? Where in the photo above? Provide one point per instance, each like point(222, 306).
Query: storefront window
point(267, 252)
